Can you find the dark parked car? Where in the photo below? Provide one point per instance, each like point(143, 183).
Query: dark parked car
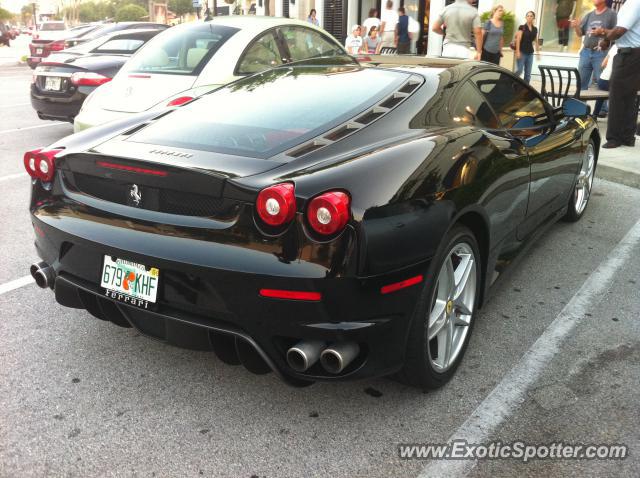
point(324, 222)
point(64, 80)
point(100, 30)
point(5, 34)
point(44, 44)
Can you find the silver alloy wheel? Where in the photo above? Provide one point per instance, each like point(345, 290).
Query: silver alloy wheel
point(452, 306)
point(585, 180)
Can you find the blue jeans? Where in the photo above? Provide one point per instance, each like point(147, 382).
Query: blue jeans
point(603, 85)
point(525, 62)
point(590, 64)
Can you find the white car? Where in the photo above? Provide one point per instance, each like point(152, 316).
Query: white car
point(189, 60)
point(51, 31)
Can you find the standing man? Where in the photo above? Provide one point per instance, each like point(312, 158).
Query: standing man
point(460, 19)
point(402, 35)
point(625, 76)
point(389, 19)
point(592, 28)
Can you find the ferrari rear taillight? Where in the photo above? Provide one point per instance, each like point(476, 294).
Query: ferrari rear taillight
point(56, 45)
point(180, 101)
point(41, 164)
point(329, 212)
point(276, 205)
point(88, 78)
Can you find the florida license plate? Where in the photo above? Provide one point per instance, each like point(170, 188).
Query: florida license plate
point(52, 83)
point(38, 51)
point(128, 282)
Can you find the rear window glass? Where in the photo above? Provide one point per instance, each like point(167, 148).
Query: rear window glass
point(121, 45)
point(180, 51)
point(50, 27)
point(271, 112)
point(98, 32)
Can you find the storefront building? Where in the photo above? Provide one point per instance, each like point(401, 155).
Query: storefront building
point(560, 44)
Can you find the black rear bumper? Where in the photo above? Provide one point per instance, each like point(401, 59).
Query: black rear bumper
point(204, 306)
point(58, 106)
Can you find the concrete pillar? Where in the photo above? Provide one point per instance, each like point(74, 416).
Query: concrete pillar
point(435, 41)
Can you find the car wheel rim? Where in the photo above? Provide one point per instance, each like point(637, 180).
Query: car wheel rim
point(452, 307)
point(585, 180)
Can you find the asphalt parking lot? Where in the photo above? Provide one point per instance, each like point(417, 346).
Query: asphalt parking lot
point(554, 357)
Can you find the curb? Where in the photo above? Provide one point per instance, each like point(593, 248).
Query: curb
point(617, 175)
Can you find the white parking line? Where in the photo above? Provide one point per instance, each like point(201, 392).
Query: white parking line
point(15, 284)
point(12, 176)
point(14, 106)
point(32, 127)
point(511, 392)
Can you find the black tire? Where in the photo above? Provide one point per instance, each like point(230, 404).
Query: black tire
point(574, 212)
point(418, 371)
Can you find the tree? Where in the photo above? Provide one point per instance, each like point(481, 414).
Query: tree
point(26, 12)
point(131, 13)
point(95, 11)
point(181, 7)
point(5, 14)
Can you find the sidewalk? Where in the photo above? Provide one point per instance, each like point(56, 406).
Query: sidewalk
point(10, 56)
point(620, 165)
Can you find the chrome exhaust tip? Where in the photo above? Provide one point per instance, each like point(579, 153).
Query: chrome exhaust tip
point(304, 354)
point(337, 357)
point(43, 274)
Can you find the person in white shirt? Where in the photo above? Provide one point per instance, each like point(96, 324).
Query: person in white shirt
point(389, 20)
point(354, 42)
point(603, 81)
point(371, 21)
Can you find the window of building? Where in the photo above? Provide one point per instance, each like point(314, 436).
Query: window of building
point(555, 24)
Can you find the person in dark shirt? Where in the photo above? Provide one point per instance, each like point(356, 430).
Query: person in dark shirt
point(564, 10)
point(403, 36)
point(592, 28)
point(526, 42)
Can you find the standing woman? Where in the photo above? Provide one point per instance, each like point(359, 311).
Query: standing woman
point(492, 41)
point(312, 18)
point(526, 41)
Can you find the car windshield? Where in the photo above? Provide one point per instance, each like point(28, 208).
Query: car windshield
point(50, 27)
point(271, 112)
point(180, 51)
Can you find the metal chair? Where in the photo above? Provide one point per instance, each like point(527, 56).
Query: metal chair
point(388, 50)
point(559, 83)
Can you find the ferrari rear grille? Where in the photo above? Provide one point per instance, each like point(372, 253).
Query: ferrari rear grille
point(155, 199)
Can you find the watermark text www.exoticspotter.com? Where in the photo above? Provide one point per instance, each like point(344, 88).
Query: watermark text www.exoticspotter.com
point(517, 450)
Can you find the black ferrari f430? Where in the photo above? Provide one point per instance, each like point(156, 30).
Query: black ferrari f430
point(323, 222)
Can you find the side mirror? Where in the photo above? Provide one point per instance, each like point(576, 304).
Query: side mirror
point(573, 108)
point(526, 131)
